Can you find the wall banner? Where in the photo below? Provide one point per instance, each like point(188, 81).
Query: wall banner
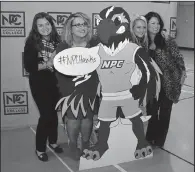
point(173, 27)
point(12, 24)
point(59, 19)
point(94, 23)
point(15, 102)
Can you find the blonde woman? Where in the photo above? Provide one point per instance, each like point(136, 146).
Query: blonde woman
point(77, 33)
point(139, 31)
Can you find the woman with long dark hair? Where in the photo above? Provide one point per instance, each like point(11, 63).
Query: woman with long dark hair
point(40, 44)
point(165, 53)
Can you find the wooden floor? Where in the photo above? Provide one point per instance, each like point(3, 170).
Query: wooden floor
point(18, 145)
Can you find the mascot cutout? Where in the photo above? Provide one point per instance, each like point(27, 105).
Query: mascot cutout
point(128, 79)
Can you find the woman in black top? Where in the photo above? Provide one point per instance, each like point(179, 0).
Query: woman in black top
point(40, 44)
point(81, 98)
point(166, 54)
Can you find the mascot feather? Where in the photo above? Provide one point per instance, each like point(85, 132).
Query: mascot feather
point(129, 79)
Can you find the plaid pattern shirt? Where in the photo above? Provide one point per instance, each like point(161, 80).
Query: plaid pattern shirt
point(46, 52)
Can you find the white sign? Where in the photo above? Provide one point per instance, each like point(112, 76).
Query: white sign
point(77, 61)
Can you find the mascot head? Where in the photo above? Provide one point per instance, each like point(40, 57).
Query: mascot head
point(113, 26)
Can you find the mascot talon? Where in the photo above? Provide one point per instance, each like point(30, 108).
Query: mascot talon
point(96, 155)
point(137, 154)
point(86, 153)
point(149, 150)
point(86, 156)
point(89, 155)
point(144, 152)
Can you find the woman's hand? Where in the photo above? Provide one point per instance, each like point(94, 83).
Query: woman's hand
point(49, 65)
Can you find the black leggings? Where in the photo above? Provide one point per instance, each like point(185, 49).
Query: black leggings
point(159, 123)
point(45, 96)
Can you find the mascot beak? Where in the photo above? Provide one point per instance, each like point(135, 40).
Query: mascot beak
point(105, 30)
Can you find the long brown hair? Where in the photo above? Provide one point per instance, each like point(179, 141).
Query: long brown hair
point(35, 37)
point(158, 40)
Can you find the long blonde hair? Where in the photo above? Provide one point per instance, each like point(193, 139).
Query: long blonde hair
point(144, 43)
point(67, 29)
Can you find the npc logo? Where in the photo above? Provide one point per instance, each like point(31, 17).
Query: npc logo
point(108, 64)
point(59, 19)
point(12, 24)
point(15, 102)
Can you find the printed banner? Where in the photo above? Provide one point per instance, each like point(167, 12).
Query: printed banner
point(59, 19)
point(15, 102)
point(12, 24)
point(173, 26)
point(94, 23)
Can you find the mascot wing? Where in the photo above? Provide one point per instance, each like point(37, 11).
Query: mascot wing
point(145, 78)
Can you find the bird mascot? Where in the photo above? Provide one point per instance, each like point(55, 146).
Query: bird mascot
point(129, 79)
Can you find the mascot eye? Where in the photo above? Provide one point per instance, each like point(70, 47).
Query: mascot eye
point(118, 20)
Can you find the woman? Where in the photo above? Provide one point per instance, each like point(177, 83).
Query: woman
point(166, 54)
point(40, 44)
point(139, 31)
point(77, 33)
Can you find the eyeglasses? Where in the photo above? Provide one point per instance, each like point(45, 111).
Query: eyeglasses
point(79, 25)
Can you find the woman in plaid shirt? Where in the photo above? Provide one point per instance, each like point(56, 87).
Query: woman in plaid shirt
point(40, 44)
